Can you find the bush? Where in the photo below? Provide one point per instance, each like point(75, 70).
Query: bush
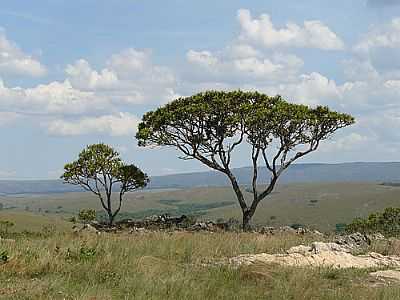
point(4, 257)
point(387, 223)
point(297, 226)
point(87, 215)
point(5, 226)
point(340, 227)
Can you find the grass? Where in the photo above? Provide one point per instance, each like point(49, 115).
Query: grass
point(168, 266)
point(332, 203)
point(25, 221)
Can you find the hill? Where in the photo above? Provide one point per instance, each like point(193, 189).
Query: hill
point(345, 172)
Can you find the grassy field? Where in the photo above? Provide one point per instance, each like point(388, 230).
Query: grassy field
point(25, 221)
point(169, 266)
point(318, 205)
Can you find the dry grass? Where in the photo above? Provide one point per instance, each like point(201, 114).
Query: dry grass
point(168, 266)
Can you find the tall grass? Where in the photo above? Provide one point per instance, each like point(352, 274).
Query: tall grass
point(168, 266)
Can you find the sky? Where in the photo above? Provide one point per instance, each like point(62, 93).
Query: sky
point(73, 73)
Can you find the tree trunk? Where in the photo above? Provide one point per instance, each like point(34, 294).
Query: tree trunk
point(246, 220)
point(110, 218)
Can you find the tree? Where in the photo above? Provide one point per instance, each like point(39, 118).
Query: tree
point(210, 126)
point(100, 170)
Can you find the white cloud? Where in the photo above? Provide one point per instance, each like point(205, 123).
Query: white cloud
point(386, 36)
point(8, 118)
point(52, 98)
point(15, 62)
point(202, 58)
point(82, 76)
point(129, 78)
point(7, 174)
point(310, 89)
point(123, 124)
point(245, 67)
point(313, 34)
point(347, 142)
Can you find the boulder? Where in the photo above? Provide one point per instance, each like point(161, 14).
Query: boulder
point(353, 241)
point(391, 275)
point(85, 228)
point(318, 255)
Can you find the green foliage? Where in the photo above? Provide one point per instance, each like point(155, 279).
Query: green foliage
point(83, 253)
point(87, 252)
point(1, 206)
point(209, 126)
point(297, 226)
point(87, 215)
point(4, 257)
point(99, 169)
point(340, 227)
point(386, 222)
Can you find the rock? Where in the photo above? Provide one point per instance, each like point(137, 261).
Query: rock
point(316, 232)
point(138, 230)
point(86, 228)
point(392, 275)
point(318, 247)
point(305, 250)
point(267, 230)
point(287, 229)
point(301, 231)
point(353, 241)
point(319, 255)
point(376, 237)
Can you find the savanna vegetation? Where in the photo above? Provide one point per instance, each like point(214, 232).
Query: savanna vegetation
point(54, 265)
point(100, 170)
point(211, 126)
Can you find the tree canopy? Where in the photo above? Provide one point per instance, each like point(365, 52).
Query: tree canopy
point(100, 170)
point(210, 126)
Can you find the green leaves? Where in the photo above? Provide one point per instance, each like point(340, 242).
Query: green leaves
point(99, 169)
point(208, 118)
point(209, 126)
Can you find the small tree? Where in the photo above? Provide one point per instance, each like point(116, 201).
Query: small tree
point(87, 215)
point(100, 170)
point(210, 126)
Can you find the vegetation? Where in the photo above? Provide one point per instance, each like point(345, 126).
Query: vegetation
point(337, 203)
point(169, 266)
point(87, 215)
point(386, 222)
point(99, 169)
point(210, 126)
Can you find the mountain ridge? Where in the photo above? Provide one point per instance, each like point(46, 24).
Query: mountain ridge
point(302, 172)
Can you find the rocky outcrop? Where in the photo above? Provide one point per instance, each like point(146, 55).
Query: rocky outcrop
point(319, 254)
point(387, 275)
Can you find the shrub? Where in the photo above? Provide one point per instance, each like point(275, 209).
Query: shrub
point(87, 215)
point(386, 222)
point(5, 226)
point(297, 226)
point(340, 227)
point(4, 257)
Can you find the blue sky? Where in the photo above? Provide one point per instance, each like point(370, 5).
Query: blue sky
point(75, 73)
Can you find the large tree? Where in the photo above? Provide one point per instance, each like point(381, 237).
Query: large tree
point(210, 126)
point(100, 170)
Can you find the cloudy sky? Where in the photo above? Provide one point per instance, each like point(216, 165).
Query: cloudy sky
point(74, 74)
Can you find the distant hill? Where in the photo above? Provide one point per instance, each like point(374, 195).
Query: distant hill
point(388, 172)
point(344, 172)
